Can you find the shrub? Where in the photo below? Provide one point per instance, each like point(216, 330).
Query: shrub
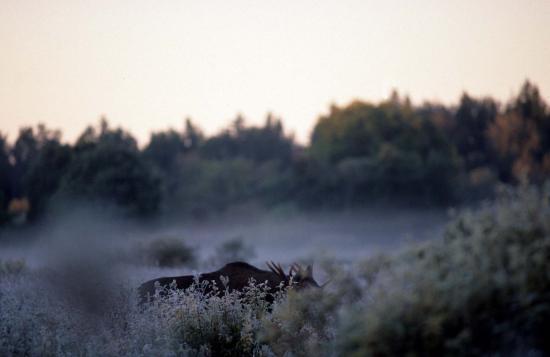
point(168, 252)
point(12, 267)
point(301, 325)
point(38, 321)
point(224, 325)
point(484, 289)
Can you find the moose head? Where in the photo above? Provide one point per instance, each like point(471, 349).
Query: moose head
point(297, 277)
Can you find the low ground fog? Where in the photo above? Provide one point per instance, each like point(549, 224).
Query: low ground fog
point(86, 236)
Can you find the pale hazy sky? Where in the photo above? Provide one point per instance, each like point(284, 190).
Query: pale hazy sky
point(147, 64)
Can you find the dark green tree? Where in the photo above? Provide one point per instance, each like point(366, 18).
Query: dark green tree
point(166, 147)
point(39, 162)
point(259, 144)
point(6, 171)
point(23, 152)
point(108, 167)
point(44, 176)
point(470, 128)
point(385, 150)
point(521, 137)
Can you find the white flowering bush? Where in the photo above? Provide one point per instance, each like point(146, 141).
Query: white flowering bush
point(36, 321)
point(483, 289)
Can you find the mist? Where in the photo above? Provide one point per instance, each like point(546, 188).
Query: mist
point(83, 256)
point(87, 239)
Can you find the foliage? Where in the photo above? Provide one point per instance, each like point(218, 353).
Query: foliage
point(107, 166)
point(213, 185)
point(210, 186)
point(45, 174)
point(302, 324)
point(5, 179)
point(167, 252)
point(186, 323)
point(39, 162)
point(164, 148)
point(380, 151)
point(224, 325)
point(360, 153)
point(166, 151)
point(482, 290)
point(468, 130)
point(259, 144)
point(520, 137)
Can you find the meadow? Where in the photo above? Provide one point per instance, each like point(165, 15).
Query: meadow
point(481, 288)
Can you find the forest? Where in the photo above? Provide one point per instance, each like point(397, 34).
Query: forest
point(359, 154)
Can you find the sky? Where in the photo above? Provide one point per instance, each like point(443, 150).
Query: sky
point(148, 64)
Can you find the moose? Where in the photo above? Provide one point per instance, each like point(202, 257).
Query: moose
point(238, 275)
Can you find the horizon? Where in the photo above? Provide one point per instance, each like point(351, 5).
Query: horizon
point(147, 67)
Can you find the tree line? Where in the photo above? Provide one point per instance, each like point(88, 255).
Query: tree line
point(359, 153)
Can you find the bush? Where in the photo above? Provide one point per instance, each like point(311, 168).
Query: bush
point(302, 324)
point(484, 289)
point(168, 252)
point(37, 321)
point(224, 325)
point(12, 267)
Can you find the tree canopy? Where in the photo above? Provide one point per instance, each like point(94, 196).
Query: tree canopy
point(359, 153)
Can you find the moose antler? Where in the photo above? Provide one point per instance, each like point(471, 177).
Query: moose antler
point(276, 268)
point(295, 268)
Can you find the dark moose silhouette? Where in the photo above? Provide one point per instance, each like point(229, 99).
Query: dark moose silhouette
point(239, 275)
